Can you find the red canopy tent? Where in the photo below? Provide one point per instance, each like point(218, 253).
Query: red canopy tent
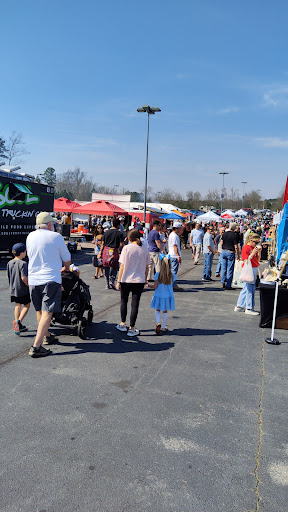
point(226, 216)
point(100, 208)
point(64, 205)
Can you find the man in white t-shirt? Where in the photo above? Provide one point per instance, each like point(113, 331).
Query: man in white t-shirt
point(174, 250)
point(47, 253)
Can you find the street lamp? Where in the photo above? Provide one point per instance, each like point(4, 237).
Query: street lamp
point(258, 190)
point(149, 110)
point(244, 183)
point(222, 195)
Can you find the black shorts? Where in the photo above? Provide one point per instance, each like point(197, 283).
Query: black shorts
point(25, 299)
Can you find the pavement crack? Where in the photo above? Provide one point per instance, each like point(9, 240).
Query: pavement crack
point(260, 432)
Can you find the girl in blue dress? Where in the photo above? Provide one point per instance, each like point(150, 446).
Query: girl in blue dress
point(163, 298)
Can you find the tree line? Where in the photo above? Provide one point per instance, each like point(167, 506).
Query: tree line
point(76, 184)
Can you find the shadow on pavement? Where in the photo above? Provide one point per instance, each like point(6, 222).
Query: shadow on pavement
point(192, 332)
point(115, 343)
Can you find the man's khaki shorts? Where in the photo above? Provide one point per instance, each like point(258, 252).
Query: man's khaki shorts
point(46, 297)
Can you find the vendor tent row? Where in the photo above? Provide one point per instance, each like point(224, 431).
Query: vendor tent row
point(213, 217)
point(96, 208)
point(102, 207)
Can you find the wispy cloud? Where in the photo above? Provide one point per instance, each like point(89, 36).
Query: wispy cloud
point(272, 142)
point(227, 110)
point(276, 97)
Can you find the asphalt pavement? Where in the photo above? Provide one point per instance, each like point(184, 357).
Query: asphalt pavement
point(191, 421)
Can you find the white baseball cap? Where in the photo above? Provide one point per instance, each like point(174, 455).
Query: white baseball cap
point(44, 218)
point(177, 224)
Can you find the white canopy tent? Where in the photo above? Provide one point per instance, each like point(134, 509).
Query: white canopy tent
point(228, 212)
point(208, 217)
point(240, 213)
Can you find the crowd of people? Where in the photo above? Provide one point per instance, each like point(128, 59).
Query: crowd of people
point(130, 258)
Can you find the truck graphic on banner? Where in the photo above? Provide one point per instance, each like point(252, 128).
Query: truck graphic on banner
point(21, 199)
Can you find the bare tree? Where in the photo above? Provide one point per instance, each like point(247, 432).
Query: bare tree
point(194, 199)
point(16, 148)
point(252, 199)
point(75, 184)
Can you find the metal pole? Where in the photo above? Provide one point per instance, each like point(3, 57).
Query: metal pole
point(272, 340)
point(146, 173)
point(222, 195)
point(243, 197)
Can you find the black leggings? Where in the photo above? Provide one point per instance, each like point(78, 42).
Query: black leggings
point(136, 289)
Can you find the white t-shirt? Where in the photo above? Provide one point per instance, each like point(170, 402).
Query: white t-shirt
point(135, 259)
point(46, 251)
point(173, 239)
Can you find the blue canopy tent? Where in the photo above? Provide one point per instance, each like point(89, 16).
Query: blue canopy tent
point(281, 245)
point(282, 233)
point(171, 216)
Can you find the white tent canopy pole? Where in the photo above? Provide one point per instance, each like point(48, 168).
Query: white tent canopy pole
point(272, 340)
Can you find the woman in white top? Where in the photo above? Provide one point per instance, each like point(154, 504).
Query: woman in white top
point(134, 264)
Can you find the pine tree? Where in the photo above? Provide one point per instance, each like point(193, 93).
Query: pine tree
point(3, 149)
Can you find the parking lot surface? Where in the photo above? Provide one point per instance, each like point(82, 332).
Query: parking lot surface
point(191, 421)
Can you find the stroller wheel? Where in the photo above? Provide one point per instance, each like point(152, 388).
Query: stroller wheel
point(82, 324)
point(90, 316)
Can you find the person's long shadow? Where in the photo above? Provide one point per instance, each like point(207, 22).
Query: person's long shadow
point(117, 342)
point(193, 332)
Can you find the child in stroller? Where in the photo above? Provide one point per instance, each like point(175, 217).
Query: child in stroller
point(76, 309)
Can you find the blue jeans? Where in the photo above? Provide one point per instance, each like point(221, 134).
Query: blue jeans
point(207, 269)
point(246, 297)
point(174, 268)
point(228, 261)
point(218, 269)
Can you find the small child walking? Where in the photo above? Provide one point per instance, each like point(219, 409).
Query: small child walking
point(17, 273)
point(163, 298)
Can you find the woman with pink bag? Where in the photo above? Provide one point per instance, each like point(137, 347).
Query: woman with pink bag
point(250, 251)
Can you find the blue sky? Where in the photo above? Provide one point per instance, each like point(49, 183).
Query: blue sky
point(74, 73)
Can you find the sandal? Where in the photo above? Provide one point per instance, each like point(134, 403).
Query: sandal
point(158, 329)
point(164, 330)
point(95, 277)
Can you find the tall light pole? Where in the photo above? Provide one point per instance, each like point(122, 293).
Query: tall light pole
point(222, 194)
point(244, 183)
point(258, 190)
point(149, 110)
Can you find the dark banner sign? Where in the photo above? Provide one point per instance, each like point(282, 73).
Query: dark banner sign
point(20, 203)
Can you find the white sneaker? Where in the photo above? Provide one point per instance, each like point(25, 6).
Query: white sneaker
point(121, 327)
point(251, 312)
point(133, 332)
point(238, 309)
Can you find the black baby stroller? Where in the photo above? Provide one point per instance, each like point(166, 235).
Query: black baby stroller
point(76, 310)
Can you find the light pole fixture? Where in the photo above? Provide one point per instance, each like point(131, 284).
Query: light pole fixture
point(259, 192)
point(244, 183)
point(149, 110)
point(222, 194)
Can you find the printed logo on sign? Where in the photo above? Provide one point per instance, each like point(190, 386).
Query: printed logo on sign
point(6, 201)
